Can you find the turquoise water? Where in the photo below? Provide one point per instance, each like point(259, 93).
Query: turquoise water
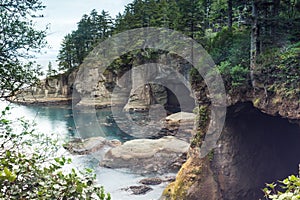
point(58, 122)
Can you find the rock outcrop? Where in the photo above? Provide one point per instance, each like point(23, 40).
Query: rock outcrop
point(237, 169)
point(56, 89)
point(180, 125)
point(138, 189)
point(147, 156)
point(151, 181)
point(90, 145)
point(165, 83)
point(255, 148)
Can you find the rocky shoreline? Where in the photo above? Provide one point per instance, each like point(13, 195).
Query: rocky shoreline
point(154, 166)
point(42, 101)
point(146, 157)
point(161, 155)
point(197, 177)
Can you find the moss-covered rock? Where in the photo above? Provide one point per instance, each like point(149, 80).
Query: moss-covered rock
point(194, 181)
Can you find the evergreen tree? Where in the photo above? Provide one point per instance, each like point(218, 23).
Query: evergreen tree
point(19, 39)
point(91, 29)
point(236, 32)
point(191, 19)
point(66, 56)
point(50, 70)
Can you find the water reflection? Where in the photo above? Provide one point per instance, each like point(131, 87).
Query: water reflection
point(58, 120)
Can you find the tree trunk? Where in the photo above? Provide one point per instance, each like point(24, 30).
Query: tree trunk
point(275, 14)
point(254, 37)
point(229, 4)
point(206, 7)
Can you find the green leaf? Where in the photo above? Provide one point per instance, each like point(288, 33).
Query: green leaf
point(271, 185)
point(79, 188)
point(293, 178)
point(286, 181)
point(7, 171)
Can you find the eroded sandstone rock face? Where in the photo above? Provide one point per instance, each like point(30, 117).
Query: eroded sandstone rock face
point(90, 145)
point(165, 83)
point(180, 125)
point(146, 155)
point(56, 89)
point(143, 93)
point(137, 89)
point(93, 87)
point(254, 149)
point(181, 117)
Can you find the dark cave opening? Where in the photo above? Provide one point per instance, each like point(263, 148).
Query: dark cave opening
point(254, 149)
point(172, 104)
point(179, 99)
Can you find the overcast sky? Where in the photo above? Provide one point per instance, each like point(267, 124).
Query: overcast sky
point(62, 17)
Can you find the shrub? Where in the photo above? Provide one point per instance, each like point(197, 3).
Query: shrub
point(26, 172)
point(233, 46)
point(288, 189)
point(280, 68)
point(234, 75)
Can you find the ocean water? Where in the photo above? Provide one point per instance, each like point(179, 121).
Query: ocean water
point(58, 122)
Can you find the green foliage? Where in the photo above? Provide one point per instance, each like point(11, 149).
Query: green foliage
point(50, 70)
point(232, 46)
point(75, 46)
point(234, 75)
point(225, 36)
point(211, 155)
point(239, 75)
point(194, 75)
point(287, 189)
point(279, 69)
point(18, 40)
point(202, 120)
point(203, 115)
point(191, 16)
point(28, 171)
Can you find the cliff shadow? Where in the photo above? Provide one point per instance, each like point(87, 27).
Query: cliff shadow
point(254, 149)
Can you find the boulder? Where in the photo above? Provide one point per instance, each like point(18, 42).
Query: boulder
point(181, 117)
point(90, 145)
point(151, 181)
point(180, 125)
point(138, 190)
point(147, 155)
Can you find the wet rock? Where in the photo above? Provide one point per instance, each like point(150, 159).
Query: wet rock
point(139, 190)
point(169, 179)
point(179, 161)
point(181, 117)
point(151, 181)
point(146, 155)
point(180, 125)
point(90, 145)
point(142, 124)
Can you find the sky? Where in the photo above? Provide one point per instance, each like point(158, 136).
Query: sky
point(62, 16)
